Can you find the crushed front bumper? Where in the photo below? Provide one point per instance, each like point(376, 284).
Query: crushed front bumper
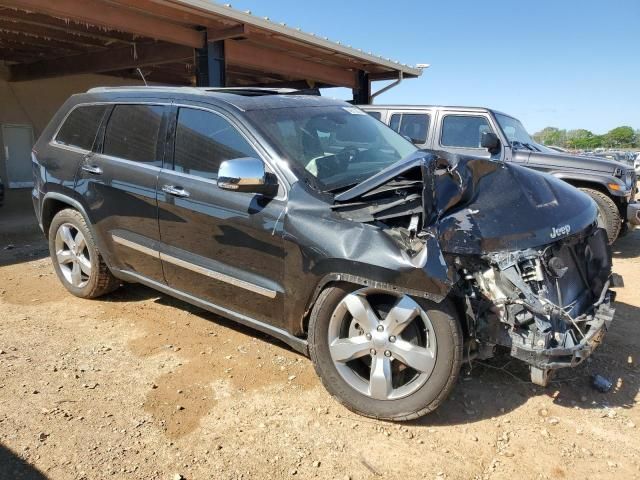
point(633, 213)
point(554, 358)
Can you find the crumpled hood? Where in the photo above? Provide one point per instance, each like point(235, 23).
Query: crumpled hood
point(478, 206)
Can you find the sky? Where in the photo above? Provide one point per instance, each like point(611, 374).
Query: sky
point(562, 63)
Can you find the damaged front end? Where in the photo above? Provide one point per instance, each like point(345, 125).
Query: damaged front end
point(534, 271)
point(550, 305)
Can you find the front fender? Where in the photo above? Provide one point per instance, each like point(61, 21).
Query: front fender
point(596, 179)
point(322, 247)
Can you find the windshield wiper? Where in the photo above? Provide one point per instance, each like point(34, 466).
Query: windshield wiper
point(340, 187)
point(517, 144)
point(531, 147)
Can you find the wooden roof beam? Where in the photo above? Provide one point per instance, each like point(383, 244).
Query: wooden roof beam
point(99, 13)
point(172, 12)
point(71, 27)
point(154, 75)
point(35, 41)
point(68, 36)
point(239, 32)
point(120, 58)
point(279, 62)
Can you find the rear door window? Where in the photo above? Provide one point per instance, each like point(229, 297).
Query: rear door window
point(463, 131)
point(204, 140)
point(132, 133)
point(414, 126)
point(81, 126)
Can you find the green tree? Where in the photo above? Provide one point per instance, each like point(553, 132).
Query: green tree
point(620, 137)
point(580, 138)
point(583, 139)
point(551, 136)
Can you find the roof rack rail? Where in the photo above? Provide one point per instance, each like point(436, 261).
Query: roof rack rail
point(244, 91)
point(142, 88)
point(258, 91)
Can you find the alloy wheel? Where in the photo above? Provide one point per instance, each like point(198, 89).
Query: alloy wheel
point(72, 255)
point(382, 345)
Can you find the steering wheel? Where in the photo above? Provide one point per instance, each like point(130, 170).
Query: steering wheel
point(347, 155)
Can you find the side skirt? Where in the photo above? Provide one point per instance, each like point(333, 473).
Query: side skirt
point(298, 344)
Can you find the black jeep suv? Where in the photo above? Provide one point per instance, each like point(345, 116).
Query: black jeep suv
point(307, 219)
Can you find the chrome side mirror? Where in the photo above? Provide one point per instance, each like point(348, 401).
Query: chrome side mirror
point(246, 175)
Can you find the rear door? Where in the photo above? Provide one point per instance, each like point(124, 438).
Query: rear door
point(220, 246)
point(118, 184)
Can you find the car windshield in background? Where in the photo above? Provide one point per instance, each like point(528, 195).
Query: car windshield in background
point(517, 135)
point(336, 146)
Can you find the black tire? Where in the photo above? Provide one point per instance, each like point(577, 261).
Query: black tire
point(608, 214)
point(422, 401)
point(101, 281)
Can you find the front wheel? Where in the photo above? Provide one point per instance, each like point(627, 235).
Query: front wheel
point(385, 355)
point(608, 214)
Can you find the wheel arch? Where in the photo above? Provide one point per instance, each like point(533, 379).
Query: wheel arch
point(333, 279)
point(54, 202)
point(593, 182)
point(587, 184)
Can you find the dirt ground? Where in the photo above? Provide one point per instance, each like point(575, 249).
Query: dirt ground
point(140, 386)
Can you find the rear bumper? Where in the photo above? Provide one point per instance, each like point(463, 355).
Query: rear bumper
point(633, 213)
point(554, 358)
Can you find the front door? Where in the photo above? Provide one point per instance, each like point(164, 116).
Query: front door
point(118, 183)
point(18, 142)
point(461, 133)
point(220, 246)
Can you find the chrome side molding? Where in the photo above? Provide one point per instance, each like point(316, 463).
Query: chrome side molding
point(223, 277)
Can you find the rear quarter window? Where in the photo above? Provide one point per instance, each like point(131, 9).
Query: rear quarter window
point(414, 126)
point(80, 127)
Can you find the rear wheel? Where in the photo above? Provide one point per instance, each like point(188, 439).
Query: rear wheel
point(385, 355)
point(608, 214)
point(76, 258)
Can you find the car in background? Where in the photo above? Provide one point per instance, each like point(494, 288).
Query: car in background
point(487, 133)
point(616, 156)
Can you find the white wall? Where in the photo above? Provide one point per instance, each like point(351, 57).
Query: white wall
point(35, 102)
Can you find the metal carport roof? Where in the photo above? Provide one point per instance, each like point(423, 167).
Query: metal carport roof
point(182, 42)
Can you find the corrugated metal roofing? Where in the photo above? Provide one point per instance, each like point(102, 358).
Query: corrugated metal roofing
point(227, 11)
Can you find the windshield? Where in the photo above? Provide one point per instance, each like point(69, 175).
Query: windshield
point(333, 146)
point(514, 130)
point(518, 136)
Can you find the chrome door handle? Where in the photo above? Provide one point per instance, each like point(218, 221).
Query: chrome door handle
point(175, 191)
point(92, 169)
